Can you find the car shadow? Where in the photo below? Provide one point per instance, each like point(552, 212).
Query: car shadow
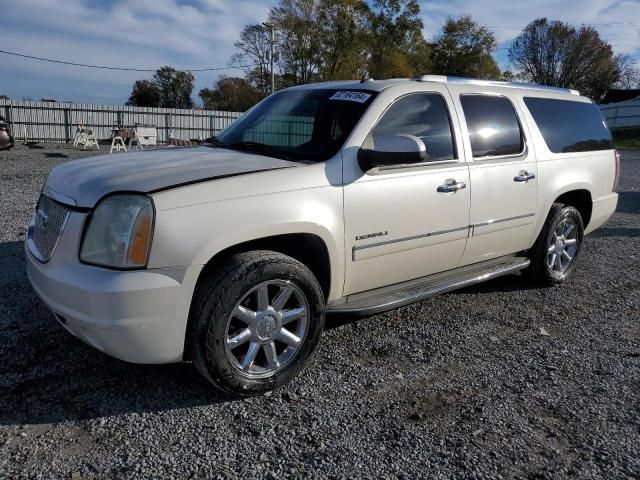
point(628, 202)
point(504, 284)
point(49, 376)
point(616, 232)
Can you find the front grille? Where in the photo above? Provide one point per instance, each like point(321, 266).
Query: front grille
point(46, 228)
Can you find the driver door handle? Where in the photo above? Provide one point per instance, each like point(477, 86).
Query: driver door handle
point(524, 176)
point(451, 186)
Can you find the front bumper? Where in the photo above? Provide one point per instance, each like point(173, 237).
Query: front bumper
point(136, 316)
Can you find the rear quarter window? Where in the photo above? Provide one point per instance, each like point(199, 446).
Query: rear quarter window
point(569, 126)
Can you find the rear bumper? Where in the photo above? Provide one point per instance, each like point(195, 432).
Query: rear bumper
point(136, 316)
point(602, 209)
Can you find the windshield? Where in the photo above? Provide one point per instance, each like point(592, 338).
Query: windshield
point(297, 125)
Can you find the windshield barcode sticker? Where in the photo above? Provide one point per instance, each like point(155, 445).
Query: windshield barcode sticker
point(359, 97)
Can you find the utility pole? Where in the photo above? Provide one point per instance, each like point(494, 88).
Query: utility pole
point(272, 41)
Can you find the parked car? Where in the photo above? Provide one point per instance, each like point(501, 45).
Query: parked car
point(6, 139)
point(337, 198)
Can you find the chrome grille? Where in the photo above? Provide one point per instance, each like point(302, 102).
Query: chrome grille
point(46, 227)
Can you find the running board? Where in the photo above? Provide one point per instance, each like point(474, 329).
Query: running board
point(394, 296)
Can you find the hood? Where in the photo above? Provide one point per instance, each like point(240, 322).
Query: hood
point(84, 182)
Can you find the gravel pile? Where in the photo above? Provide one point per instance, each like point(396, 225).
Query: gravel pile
point(501, 380)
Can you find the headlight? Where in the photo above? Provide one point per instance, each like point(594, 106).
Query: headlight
point(119, 232)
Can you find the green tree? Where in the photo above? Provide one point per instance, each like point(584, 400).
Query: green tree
point(175, 87)
point(230, 94)
point(343, 27)
point(144, 94)
point(561, 55)
point(397, 47)
point(465, 49)
point(169, 88)
point(507, 76)
point(298, 39)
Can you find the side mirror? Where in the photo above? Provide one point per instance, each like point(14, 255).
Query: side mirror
point(388, 150)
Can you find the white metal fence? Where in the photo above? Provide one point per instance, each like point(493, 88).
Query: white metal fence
point(623, 114)
point(57, 122)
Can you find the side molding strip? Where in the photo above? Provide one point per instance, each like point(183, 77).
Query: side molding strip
point(470, 231)
point(406, 239)
point(501, 220)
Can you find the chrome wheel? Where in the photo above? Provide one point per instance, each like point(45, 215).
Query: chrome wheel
point(563, 246)
point(266, 328)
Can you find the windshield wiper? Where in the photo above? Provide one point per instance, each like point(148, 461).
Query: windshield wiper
point(256, 147)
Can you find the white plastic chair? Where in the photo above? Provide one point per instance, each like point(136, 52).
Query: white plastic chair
point(117, 142)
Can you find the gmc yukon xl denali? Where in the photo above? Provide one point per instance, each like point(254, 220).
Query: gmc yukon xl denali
point(343, 197)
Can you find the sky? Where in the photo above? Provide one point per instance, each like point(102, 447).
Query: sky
point(200, 34)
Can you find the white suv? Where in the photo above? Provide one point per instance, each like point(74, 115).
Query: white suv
point(346, 197)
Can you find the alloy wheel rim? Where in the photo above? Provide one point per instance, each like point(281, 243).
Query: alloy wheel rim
point(563, 246)
point(266, 328)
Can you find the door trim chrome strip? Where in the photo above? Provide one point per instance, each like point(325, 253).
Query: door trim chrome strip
point(357, 248)
point(406, 239)
point(502, 220)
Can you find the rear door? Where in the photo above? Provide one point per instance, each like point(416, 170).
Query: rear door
point(503, 173)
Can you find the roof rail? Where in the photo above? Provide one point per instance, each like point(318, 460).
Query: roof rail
point(492, 83)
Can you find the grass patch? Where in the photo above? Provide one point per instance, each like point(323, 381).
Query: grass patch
point(626, 138)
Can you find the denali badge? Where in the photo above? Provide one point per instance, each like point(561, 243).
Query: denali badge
point(371, 235)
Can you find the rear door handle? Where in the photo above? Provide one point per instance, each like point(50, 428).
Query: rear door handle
point(451, 186)
point(524, 176)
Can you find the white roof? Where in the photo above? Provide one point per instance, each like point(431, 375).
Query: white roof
point(379, 85)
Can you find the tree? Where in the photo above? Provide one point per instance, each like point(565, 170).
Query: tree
point(507, 76)
point(169, 88)
point(629, 75)
point(298, 39)
point(398, 48)
point(144, 94)
point(560, 55)
point(254, 50)
point(175, 87)
point(344, 38)
point(465, 49)
point(230, 94)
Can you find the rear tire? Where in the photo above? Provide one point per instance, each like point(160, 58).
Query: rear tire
point(257, 320)
point(554, 255)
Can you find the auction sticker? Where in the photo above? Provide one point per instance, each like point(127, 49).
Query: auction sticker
point(359, 97)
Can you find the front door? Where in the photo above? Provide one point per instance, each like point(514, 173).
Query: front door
point(503, 174)
point(405, 222)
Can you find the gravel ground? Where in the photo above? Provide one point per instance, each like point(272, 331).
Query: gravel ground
point(463, 385)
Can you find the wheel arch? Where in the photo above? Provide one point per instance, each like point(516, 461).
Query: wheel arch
point(576, 194)
point(308, 248)
point(580, 199)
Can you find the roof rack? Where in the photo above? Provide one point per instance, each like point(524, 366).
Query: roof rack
point(492, 83)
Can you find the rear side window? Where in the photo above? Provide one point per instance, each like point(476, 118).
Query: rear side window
point(494, 129)
point(569, 126)
point(424, 115)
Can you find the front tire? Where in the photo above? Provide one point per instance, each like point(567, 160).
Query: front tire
point(257, 320)
point(554, 255)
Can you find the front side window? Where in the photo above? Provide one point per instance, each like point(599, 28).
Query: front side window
point(569, 126)
point(494, 130)
point(424, 115)
point(298, 125)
